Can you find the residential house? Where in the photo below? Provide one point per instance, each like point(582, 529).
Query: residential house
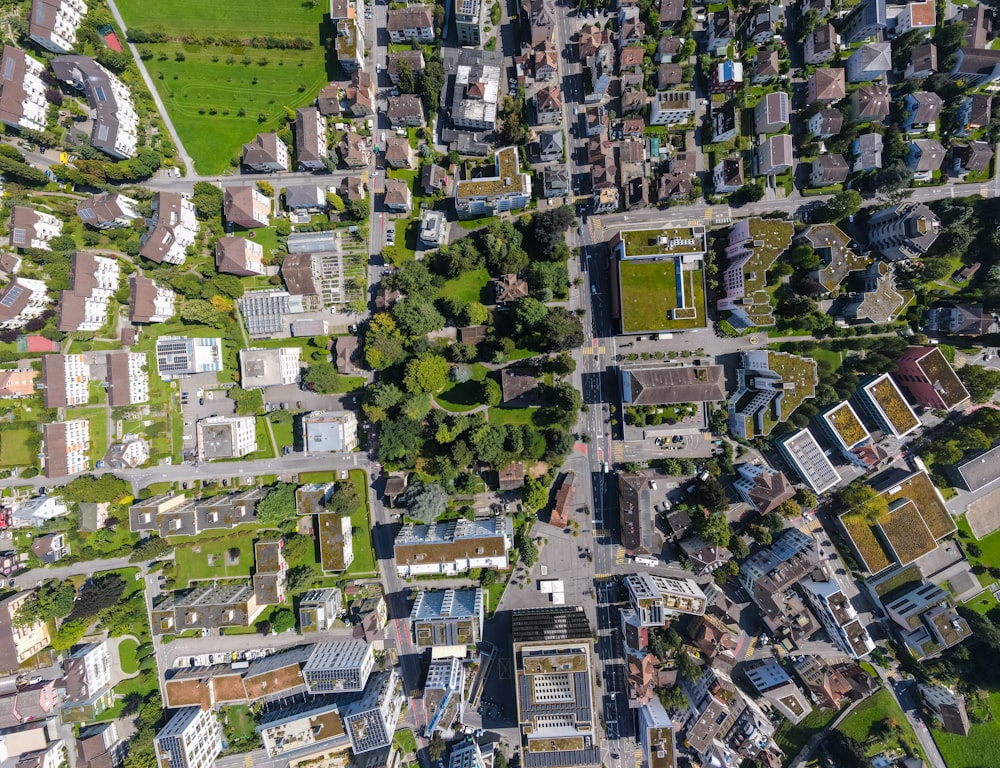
point(631, 28)
point(630, 65)
point(246, 207)
point(53, 23)
point(434, 179)
point(454, 546)
point(469, 23)
point(22, 91)
point(508, 288)
point(961, 320)
point(974, 157)
point(352, 188)
point(903, 231)
point(36, 512)
point(239, 256)
point(548, 146)
point(319, 609)
point(172, 228)
point(412, 59)
point(225, 437)
point(774, 155)
point(308, 198)
point(19, 643)
point(633, 100)
point(921, 111)
point(598, 71)
point(354, 150)
point(672, 107)
point(17, 383)
point(179, 356)
point(827, 170)
point(399, 153)
point(926, 619)
point(825, 123)
point(328, 100)
point(762, 487)
point(668, 76)
point(87, 682)
point(99, 746)
point(827, 84)
point(838, 617)
point(555, 181)
point(871, 103)
point(65, 447)
point(976, 67)
point(727, 176)
point(93, 281)
point(127, 378)
point(762, 23)
point(867, 151)
point(879, 301)
point(192, 738)
point(398, 197)
point(326, 431)
point(867, 20)
point(360, 94)
point(726, 77)
point(548, 105)
point(590, 38)
point(948, 707)
point(831, 684)
point(21, 300)
point(107, 211)
point(766, 67)
point(509, 190)
point(545, 61)
point(771, 113)
point(720, 31)
point(405, 111)
point(270, 367)
point(974, 112)
point(310, 139)
point(444, 618)
point(349, 43)
point(114, 122)
point(50, 548)
point(923, 62)
point(266, 154)
point(916, 15)
point(924, 157)
point(30, 228)
point(412, 23)
point(678, 181)
point(821, 44)
point(705, 558)
point(595, 120)
point(725, 122)
point(433, 229)
point(346, 348)
point(635, 509)
point(872, 61)
point(149, 302)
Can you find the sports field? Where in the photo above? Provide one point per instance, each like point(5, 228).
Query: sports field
point(220, 96)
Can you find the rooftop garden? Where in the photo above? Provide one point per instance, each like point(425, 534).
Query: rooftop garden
point(937, 370)
point(838, 258)
point(507, 180)
point(872, 553)
point(845, 423)
point(922, 492)
point(649, 296)
point(770, 238)
point(906, 533)
point(647, 242)
point(797, 371)
point(892, 404)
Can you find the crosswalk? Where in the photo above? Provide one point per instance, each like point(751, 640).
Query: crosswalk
point(750, 648)
point(595, 350)
point(619, 451)
point(619, 555)
point(708, 213)
point(602, 577)
point(248, 761)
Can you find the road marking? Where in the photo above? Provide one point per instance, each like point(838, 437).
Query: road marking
point(619, 555)
point(708, 213)
point(619, 451)
point(750, 648)
point(984, 190)
point(602, 577)
point(248, 761)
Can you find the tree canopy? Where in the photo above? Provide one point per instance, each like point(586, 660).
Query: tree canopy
point(278, 506)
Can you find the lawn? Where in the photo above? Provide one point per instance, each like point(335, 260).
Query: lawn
point(467, 287)
point(192, 560)
point(284, 432)
point(323, 476)
point(989, 544)
point(14, 449)
point(791, 738)
point(983, 739)
point(405, 741)
point(649, 296)
point(98, 429)
point(364, 552)
point(498, 415)
point(867, 724)
point(462, 396)
point(240, 84)
point(126, 656)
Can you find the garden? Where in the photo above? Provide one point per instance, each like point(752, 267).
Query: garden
point(649, 296)
point(879, 725)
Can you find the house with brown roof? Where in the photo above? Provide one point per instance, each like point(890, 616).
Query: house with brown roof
point(405, 110)
point(828, 169)
point(630, 64)
point(710, 636)
point(354, 150)
point(508, 288)
point(871, 103)
point(766, 67)
point(510, 477)
point(821, 44)
point(310, 139)
point(634, 99)
point(705, 558)
point(826, 123)
point(774, 155)
point(669, 75)
point(519, 385)
point(108, 211)
point(922, 110)
point(831, 684)
point(762, 487)
point(564, 500)
point(973, 157)
point(548, 105)
point(433, 179)
point(398, 197)
point(678, 181)
point(352, 188)
point(93, 281)
point(541, 19)
point(239, 256)
point(30, 228)
point(149, 302)
point(266, 154)
point(727, 176)
point(360, 94)
point(412, 59)
point(328, 100)
point(346, 348)
point(923, 62)
point(641, 680)
point(590, 38)
point(827, 84)
point(545, 61)
point(50, 548)
point(246, 207)
point(172, 227)
point(661, 384)
point(399, 153)
point(411, 23)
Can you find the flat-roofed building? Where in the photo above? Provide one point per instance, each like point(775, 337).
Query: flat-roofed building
point(475, 92)
point(508, 190)
point(447, 617)
point(17, 383)
point(656, 598)
point(179, 356)
point(469, 23)
point(809, 460)
point(370, 721)
point(115, 123)
point(928, 376)
point(191, 739)
point(926, 619)
point(319, 608)
point(22, 91)
point(657, 735)
point(771, 385)
point(328, 431)
point(340, 666)
point(270, 367)
point(454, 546)
point(336, 545)
point(838, 617)
point(882, 399)
point(53, 23)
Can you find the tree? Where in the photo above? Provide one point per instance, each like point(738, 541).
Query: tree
point(53, 600)
point(413, 279)
point(415, 316)
point(87, 488)
point(227, 285)
point(344, 500)
point(357, 210)
point(738, 547)
point(864, 501)
point(200, 312)
point(400, 441)
point(282, 620)
point(426, 373)
point(528, 315)
point(436, 747)
point(761, 534)
point(751, 192)
point(562, 364)
point(687, 667)
point(713, 528)
point(278, 506)
point(560, 330)
point(547, 229)
point(845, 751)
point(431, 82)
point(207, 199)
point(248, 401)
point(712, 495)
point(322, 377)
point(526, 549)
point(425, 503)
point(536, 493)
point(474, 313)
point(981, 382)
point(404, 72)
point(336, 202)
point(843, 204)
point(806, 498)
point(789, 508)
point(492, 392)
point(99, 593)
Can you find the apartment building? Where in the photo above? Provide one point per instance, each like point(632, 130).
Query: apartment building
point(469, 23)
point(350, 41)
point(128, 378)
point(412, 23)
point(65, 381)
point(239, 256)
point(115, 128)
point(327, 431)
point(771, 113)
point(22, 300)
point(65, 445)
point(206, 608)
point(87, 682)
point(246, 207)
point(657, 735)
point(448, 617)
point(179, 356)
point(370, 721)
point(454, 546)
point(93, 281)
point(310, 139)
point(656, 598)
point(866, 21)
point(274, 367)
point(108, 211)
point(19, 643)
point(191, 739)
point(672, 107)
point(475, 93)
point(927, 375)
point(838, 617)
point(319, 608)
point(904, 231)
point(340, 666)
point(926, 619)
point(770, 386)
point(175, 515)
point(22, 92)
point(266, 154)
point(762, 487)
point(149, 302)
point(53, 23)
point(226, 437)
point(17, 383)
point(172, 228)
point(30, 228)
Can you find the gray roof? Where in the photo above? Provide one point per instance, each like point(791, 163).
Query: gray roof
point(305, 196)
point(654, 385)
point(981, 470)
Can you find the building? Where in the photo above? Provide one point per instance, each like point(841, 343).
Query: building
point(771, 385)
point(336, 545)
point(191, 739)
point(313, 270)
point(871, 103)
point(405, 111)
point(149, 302)
point(107, 211)
point(924, 157)
point(19, 643)
point(661, 385)
point(509, 190)
point(838, 617)
point(831, 684)
point(843, 425)
point(206, 609)
point(904, 231)
point(926, 620)
point(50, 548)
point(180, 356)
point(961, 320)
point(370, 721)
point(548, 105)
point(226, 437)
point(360, 94)
point(93, 281)
point(53, 23)
point(448, 618)
point(725, 122)
point(657, 735)
point(239, 256)
point(246, 207)
point(727, 176)
point(87, 682)
point(99, 747)
point(412, 23)
point(354, 150)
point(638, 520)
point(554, 673)
point(265, 311)
point(867, 20)
point(469, 23)
point(726, 77)
point(811, 463)
point(720, 31)
point(821, 44)
point(399, 153)
point(65, 381)
point(325, 431)
point(882, 399)
point(174, 515)
point(350, 41)
point(974, 157)
point(319, 609)
point(762, 487)
point(872, 61)
point(827, 170)
point(766, 67)
point(65, 445)
point(655, 599)
point(923, 62)
point(433, 229)
point(22, 92)
point(398, 197)
point(453, 546)
point(173, 227)
point(30, 228)
point(127, 378)
point(17, 383)
point(948, 707)
point(771, 113)
point(310, 139)
point(272, 367)
point(476, 89)
point(927, 375)
point(21, 300)
point(115, 123)
point(774, 156)
point(37, 511)
point(922, 111)
point(916, 15)
point(266, 154)
point(827, 84)
point(976, 67)
point(672, 107)
point(340, 666)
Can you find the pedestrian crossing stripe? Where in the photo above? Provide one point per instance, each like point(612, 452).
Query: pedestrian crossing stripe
point(248, 761)
point(619, 451)
point(601, 532)
point(601, 349)
point(638, 753)
point(750, 648)
point(984, 191)
point(708, 213)
point(602, 577)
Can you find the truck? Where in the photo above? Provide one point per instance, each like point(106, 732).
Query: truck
point(646, 560)
point(664, 336)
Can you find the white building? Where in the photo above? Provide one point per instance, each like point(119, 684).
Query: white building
point(658, 735)
point(149, 302)
point(226, 437)
point(65, 445)
point(66, 381)
point(39, 510)
point(670, 107)
point(454, 546)
point(916, 14)
point(192, 739)
point(340, 666)
point(115, 123)
point(272, 367)
point(173, 227)
point(53, 23)
point(30, 228)
point(128, 378)
point(808, 459)
point(656, 598)
point(22, 300)
point(179, 356)
point(371, 721)
point(326, 431)
point(22, 92)
point(838, 617)
point(94, 280)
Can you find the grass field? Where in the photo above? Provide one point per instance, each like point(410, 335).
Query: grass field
point(98, 429)
point(405, 741)
point(990, 546)
point(467, 287)
point(364, 552)
point(126, 656)
point(14, 450)
point(791, 738)
point(649, 294)
point(983, 739)
point(462, 396)
point(234, 82)
point(500, 415)
point(192, 561)
point(869, 725)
